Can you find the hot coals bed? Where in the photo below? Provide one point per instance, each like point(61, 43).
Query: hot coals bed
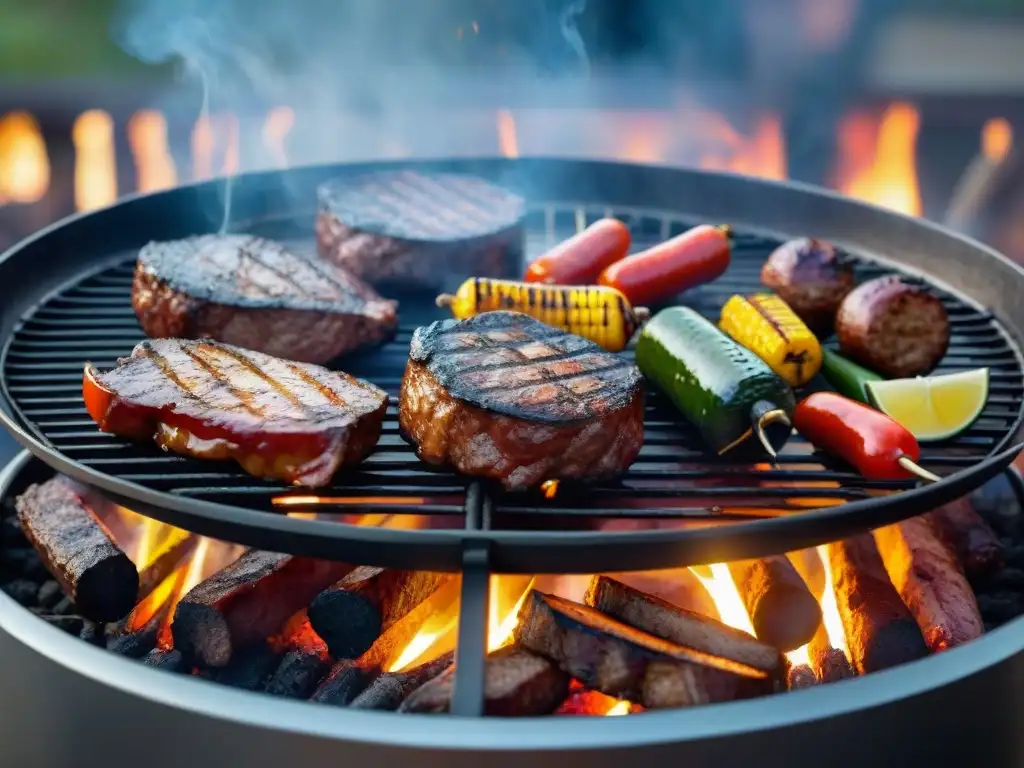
point(675, 507)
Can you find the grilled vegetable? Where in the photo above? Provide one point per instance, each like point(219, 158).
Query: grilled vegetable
point(766, 326)
point(581, 259)
point(695, 257)
point(846, 377)
point(600, 314)
point(879, 447)
point(809, 276)
point(725, 390)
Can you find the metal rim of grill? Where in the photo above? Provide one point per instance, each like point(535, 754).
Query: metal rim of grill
point(84, 313)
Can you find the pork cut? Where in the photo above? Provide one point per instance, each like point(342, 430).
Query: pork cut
point(420, 230)
point(279, 419)
point(504, 396)
point(257, 294)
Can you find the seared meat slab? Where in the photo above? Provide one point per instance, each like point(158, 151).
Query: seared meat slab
point(257, 294)
point(504, 396)
point(289, 421)
point(420, 229)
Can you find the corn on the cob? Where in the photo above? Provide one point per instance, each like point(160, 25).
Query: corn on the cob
point(765, 325)
point(594, 312)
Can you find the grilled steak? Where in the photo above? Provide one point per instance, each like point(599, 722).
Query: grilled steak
point(256, 294)
point(503, 396)
point(421, 230)
point(288, 421)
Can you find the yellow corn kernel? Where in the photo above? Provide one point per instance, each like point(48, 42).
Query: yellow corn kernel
point(764, 324)
point(595, 312)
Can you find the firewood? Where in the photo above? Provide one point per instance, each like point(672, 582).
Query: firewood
point(168, 660)
point(517, 683)
point(800, 676)
point(625, 662)
point(346, 680)
point(808, 564)
point(247, 602)
point(351, 614)
point(978, 548)
point(880, 632)
point(782, 609)
point(680, 626)
point(298, 675)
point(679, 587)
point(829, 664)
point(927, 575)
point(178, 546)
point(390, 689)
point(78, 550)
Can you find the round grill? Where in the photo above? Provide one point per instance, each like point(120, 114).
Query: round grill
point(657, 515)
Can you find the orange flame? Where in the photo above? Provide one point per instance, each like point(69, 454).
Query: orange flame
point(95, 160)
point(508, 142)
point(202, 148)
point(279, 123)
point(24, 163)
point(147, 137)
point(193, 575)
point(830, 610)
point(996, 139)
point(881, 166)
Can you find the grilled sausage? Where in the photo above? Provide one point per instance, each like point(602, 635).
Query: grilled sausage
point(892, 327)
point(693, 258)
point(581, 259)
point(811, 279)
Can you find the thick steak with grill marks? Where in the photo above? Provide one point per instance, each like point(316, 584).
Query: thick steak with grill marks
point(503, 396)
point(256, 294)
point(420, 229)
point(281, 420)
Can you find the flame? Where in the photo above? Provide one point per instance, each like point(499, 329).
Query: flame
point(622, 708)
point(279, 123)
point(202, 148)
point(232, 150)
point(830, 611)
point(438, 634)
point(147, 137)
point(95, 160)
point(880, 165)
point(155, 601)
point(313, 501)
point(193, 574)
point(996, 139)
point(763, 154)
point(24, 163)
point(549, 488)
point(508, 143)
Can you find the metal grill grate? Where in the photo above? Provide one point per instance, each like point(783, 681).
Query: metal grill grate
point(673, 478)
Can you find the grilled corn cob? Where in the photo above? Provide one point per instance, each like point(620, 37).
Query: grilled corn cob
point(765, 325)
point(594, 312)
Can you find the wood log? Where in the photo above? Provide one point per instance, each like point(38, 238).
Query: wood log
point(247, 602)
point(679, 587)
point(622, 661)
point(517, 683)
point(389, 690)
point(680, 626)
point(808, 564)
point(172, 553)
point(78, 550)
point(829, 664)
point(347, 679)
point(927, 575)
point(800, 676)
point(977, 546)
point(134, 642)
point(351, 614)
point(169, 660)
point(298, 675)
point(387, 648)
point(781, 607)
point(880, 632)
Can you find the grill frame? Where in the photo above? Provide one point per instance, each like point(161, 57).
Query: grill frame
point(745, 203)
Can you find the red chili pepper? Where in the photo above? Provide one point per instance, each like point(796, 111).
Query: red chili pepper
point(860, 435)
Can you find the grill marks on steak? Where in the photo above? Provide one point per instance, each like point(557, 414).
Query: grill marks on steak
point(258, 294)
point(504, 396)
point(279, 419)
point(422, 229)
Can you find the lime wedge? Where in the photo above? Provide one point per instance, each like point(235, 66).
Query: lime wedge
point(933, 407)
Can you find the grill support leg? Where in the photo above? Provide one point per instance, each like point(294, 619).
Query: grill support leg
point(468, 696)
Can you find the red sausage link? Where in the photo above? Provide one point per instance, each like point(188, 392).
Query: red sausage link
point(697, 256)
point(581, 259)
